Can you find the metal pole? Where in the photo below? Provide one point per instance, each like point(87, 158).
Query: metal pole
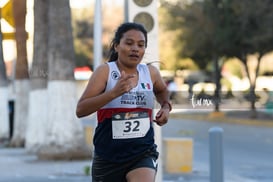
point(97, 35)
point(126, 11)
point(158, 141)
point(216, 154)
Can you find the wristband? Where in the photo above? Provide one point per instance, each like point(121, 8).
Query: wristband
point(168, 103)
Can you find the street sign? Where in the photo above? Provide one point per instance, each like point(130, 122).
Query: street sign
point(7, 13)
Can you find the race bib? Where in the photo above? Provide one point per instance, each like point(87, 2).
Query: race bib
point(130, 125)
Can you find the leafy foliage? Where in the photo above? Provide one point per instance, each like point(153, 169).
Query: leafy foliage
point(221, 28)
point(83, 36)
point(83, 26)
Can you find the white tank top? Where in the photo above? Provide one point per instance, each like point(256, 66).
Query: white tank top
point(125, 124)
point(141, 96)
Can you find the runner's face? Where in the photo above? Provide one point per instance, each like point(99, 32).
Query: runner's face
point(131, 48)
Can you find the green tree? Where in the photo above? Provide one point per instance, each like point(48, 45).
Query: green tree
point(167, 45)
point(217, 29)
point(82, 23)
point(199, 36)
point(254, 35)
point(193, 30)
point(242, 28)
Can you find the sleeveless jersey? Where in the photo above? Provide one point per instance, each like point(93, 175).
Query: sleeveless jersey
point(125, 128)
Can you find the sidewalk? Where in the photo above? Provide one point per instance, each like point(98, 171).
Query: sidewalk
point(16, 165)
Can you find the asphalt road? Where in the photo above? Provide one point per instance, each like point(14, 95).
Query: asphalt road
point(247, 150)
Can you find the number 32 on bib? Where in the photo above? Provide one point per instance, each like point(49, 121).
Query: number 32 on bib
point(130, 125)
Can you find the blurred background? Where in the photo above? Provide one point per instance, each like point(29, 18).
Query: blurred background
point(215, 56)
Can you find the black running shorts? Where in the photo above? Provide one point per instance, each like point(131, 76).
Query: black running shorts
point(105, 171)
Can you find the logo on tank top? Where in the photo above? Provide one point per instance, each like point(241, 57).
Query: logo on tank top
point(146, 86)
point(115, 75)
point(134, 98)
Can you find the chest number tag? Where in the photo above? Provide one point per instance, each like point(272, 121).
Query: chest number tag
point(130, 125)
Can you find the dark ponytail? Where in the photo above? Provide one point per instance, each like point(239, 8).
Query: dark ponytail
point(113, 55)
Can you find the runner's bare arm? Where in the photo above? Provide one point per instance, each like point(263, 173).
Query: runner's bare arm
point(162, 96)
point(94, 97)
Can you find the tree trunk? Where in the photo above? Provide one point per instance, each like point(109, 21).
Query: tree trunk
point(65, 136)
point(4, 121)
point(37, 115)
point(21, 75)
point(253, 96)
point(217, 96)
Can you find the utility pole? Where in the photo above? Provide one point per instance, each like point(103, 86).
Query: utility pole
point(97, 35)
